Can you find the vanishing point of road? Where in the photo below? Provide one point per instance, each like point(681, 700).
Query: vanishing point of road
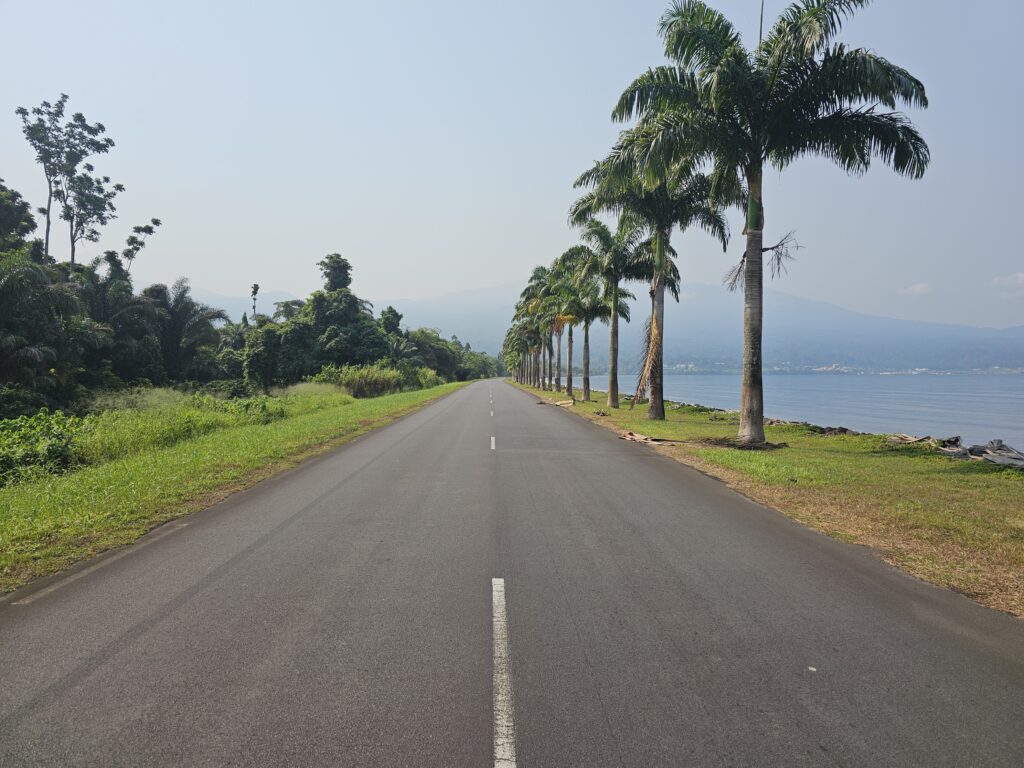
point(492, 583)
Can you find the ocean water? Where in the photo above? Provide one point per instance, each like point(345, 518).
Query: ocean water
point(976, 407)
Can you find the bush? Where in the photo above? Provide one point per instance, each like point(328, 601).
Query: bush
point(428, 377)
point(41, 443)
point(133, 421)
point(361, 380)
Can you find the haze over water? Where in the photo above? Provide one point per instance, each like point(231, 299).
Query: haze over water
point(979, 408)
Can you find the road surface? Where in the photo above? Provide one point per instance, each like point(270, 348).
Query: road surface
point(491, 582)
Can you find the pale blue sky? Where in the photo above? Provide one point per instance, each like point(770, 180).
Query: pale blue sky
point(434, 144)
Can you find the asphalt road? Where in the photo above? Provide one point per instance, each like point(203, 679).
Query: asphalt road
point(425, 593)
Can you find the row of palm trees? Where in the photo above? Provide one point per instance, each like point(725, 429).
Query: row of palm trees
point(706, 126)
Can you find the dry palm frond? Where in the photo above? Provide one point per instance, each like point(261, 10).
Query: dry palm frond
point(781, 254)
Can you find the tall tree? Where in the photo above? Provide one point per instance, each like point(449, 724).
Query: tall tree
point(391, 321)
point(286, 310)
point(797, 93)
point(613, 259)
point(679, 197)
point(336, 270)
point(593, 306)
point(61, 146)
point(86, 203)
point(254, 292)
point(137, 241)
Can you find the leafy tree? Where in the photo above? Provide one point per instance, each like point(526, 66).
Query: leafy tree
point(336, 270)
point(797, 93)
point(16, 219)
point(87, 203)
point(286, 310)
point(253, 293)
point(262, 346)
point(391, 321)
point(61, 145)
point(137, 241)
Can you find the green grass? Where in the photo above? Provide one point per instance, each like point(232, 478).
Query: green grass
point(955, 523)
point(155, 461)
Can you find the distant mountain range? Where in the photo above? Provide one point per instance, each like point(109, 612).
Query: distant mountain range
point(704, 331)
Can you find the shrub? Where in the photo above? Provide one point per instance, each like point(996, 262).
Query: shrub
point(428, 377)
point(361, 380)
point(41, 443)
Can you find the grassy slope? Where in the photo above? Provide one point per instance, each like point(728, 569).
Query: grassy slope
point(955, 523)
point(48, 524)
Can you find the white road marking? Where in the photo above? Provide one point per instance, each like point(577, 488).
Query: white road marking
point(101, 564)
point(492, 413)
point(504, 727)
point(492, 442)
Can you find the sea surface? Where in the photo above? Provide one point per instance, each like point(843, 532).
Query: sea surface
point(978, 407)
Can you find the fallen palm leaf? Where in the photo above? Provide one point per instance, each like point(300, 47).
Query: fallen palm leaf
point(638, 438)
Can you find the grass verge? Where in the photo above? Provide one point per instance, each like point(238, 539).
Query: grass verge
point(50, 523)
point(954, 523)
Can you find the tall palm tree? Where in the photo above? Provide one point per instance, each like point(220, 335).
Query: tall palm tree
point(679, 197)
point(797, 93)
point(613, 258)
point(564, 285)
point(596, 304)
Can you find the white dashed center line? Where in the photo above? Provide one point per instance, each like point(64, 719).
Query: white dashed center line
point(504, 727)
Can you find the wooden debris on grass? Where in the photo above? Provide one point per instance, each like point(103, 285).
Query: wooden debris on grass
point(638, 438)
point(994, 452)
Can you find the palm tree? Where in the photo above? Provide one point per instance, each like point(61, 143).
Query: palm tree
point(680, 197)
point(186, 325)
point(596, 304)
point(613, 258)
point(402, 351)
point(797, 93)
point(564, 286)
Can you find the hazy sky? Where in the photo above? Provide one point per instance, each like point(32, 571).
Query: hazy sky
point(435, 143)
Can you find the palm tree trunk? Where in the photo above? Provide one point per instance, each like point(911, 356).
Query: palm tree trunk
point(613, 351)
point(656, 404)
point(558, 363)
point(586, 362)
point(568, 368)
point(551, 344)
point(752, 403)
point(656, 344)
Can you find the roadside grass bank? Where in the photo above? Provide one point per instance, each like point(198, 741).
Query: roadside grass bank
point(953, 523)
point(157, 464)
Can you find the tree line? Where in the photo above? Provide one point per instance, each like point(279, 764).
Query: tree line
point(707, 124)
point(70, 328)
